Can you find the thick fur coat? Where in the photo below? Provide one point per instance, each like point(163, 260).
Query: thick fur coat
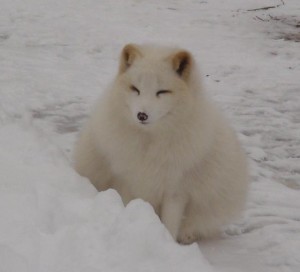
point(155, 135)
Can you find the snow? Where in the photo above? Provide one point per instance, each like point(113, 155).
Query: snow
point(53, 220)
point(57, 56)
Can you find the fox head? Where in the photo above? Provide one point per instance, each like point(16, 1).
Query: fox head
point(155, 83)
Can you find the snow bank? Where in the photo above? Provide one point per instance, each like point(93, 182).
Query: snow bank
point(54, 220)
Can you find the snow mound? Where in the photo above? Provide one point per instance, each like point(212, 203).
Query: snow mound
point(54, 220)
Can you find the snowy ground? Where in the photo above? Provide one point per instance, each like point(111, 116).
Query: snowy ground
point(56, 56)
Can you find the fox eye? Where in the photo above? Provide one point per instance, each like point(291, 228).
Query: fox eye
point(163, 92)
point(135, 89)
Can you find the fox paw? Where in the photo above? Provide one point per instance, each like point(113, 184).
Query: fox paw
point(187, 238)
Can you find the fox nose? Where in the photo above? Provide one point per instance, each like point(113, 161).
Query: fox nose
point(142, 116)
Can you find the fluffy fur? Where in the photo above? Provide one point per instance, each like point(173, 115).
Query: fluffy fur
point(184, 160)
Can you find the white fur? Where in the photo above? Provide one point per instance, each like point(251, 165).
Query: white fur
point(186, 161)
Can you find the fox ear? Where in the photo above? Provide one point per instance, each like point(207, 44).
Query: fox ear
point(128, 55)
point(182, 64)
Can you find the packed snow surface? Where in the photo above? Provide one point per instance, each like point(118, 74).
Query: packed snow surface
point(57, 56)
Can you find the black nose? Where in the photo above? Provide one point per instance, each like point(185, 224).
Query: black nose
point(142, 116)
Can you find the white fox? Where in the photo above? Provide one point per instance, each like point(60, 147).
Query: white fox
point(155, 135)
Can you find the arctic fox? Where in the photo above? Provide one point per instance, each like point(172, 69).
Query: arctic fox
point(155, 135)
